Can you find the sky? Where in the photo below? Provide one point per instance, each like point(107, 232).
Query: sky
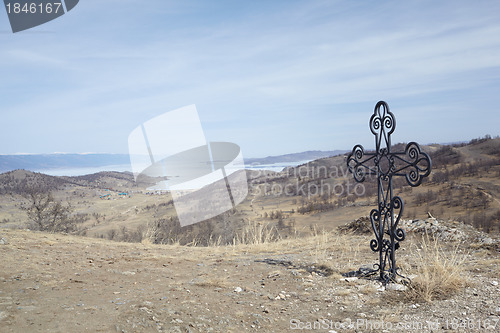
point(274, 77)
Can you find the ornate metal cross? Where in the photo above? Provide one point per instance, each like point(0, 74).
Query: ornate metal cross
point(412, 163)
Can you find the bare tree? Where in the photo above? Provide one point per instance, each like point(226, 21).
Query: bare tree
point(46, 213)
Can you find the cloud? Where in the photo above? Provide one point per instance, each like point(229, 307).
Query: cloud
point(265, 67)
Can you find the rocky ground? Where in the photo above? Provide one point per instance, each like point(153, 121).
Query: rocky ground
point(62, 283)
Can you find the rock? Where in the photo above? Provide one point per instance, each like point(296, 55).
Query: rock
point(350, 279)
point(494, 283)
point(238, 290)
point(395, 286)
point(488, 241)
point(3, 241)
point(359, 226)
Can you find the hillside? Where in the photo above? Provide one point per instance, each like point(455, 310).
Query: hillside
point(464, 185)
point(322, 194)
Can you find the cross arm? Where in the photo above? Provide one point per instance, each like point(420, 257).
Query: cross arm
point(358, 163)
point(413, 164)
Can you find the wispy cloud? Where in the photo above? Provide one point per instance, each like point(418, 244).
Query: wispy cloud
point(276, 72)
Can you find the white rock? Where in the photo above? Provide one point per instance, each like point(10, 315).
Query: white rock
point(350, 279)
point(238, 290)
point(488, 241)
point(395, 286)
point(494, 283)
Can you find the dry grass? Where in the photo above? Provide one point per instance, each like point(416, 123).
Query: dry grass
point(339, 251)
point(322, 242)
point(214, 282)
point(256, 233)
point(440, 273)
point(343, 292)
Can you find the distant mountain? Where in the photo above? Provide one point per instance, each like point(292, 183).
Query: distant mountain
point(295, 157)
point(36, 162)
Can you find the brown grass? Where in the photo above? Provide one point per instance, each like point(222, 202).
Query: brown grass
point(213, 282)
point(255, 233)
point(440, 273)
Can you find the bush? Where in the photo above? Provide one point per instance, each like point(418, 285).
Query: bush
point(439, 274)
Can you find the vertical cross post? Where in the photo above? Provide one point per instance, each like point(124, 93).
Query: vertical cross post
point(384, 164)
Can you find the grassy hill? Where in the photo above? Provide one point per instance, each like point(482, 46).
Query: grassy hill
point(322, 194)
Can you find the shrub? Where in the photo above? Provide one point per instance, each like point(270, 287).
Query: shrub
point(439, 273)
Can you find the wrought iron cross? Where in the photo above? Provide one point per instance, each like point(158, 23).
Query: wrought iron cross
point(412, 163)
